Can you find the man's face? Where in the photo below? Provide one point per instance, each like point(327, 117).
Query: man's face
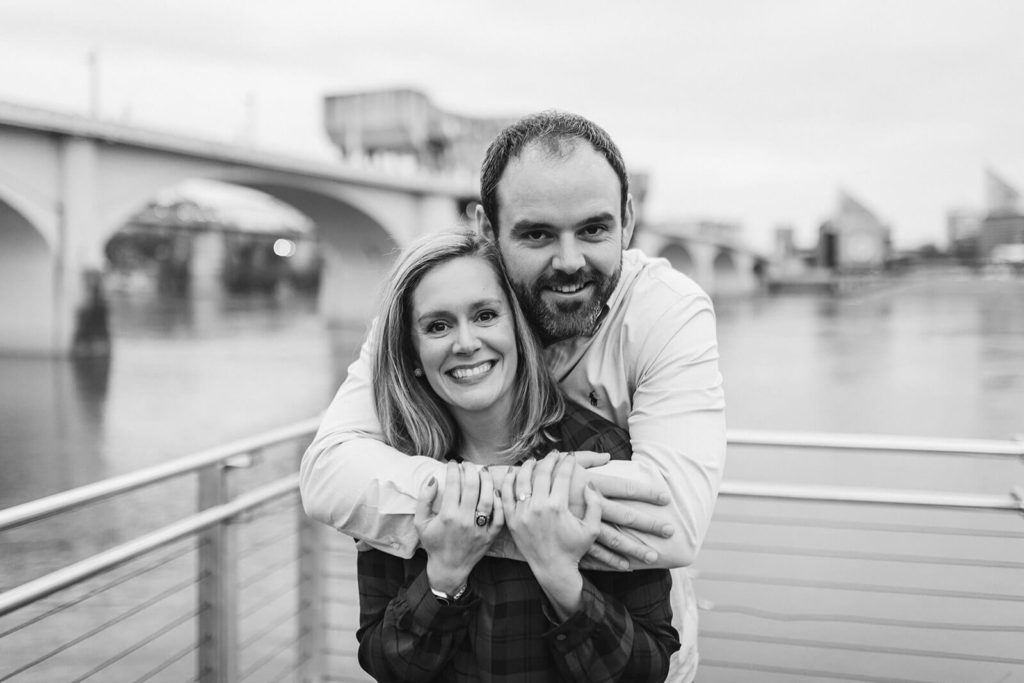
point(561, 235)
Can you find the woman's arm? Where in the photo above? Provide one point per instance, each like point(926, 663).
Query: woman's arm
point(621, 632)
point(405, 633)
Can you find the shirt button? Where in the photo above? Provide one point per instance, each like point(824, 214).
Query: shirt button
point(560, 636)
point(394, 544)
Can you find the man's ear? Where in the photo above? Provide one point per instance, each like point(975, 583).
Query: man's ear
point(628, 222)
point(483, 224)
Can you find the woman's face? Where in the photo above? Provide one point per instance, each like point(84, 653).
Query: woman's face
point(464, 335)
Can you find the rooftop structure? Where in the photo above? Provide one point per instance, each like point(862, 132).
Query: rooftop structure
point(404, 122)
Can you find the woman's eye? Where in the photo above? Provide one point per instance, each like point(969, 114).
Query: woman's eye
point(436, 327)
point(486, 316)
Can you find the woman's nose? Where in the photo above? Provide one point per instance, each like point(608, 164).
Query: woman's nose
point(466, 341)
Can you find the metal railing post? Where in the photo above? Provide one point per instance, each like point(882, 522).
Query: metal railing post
point(312, 643)
point(218, 586)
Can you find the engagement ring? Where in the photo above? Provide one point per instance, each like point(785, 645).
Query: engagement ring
point(482, 520)
point(523, 497)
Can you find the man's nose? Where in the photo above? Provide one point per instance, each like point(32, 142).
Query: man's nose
point(466, 341)
point(569, 258)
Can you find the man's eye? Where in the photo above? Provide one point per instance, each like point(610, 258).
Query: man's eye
point(593, 230)
point(535, 235)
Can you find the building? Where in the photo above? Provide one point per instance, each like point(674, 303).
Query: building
point(1001, 235)
point(963, 229)
point(853, 238)
point(404, 123)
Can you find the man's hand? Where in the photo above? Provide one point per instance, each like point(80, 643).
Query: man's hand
point(614, 549)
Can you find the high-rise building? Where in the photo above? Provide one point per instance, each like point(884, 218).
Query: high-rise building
point(1001, 236)
point(853, 238)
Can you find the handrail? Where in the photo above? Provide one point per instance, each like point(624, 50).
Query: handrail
point(83, 495)
point(72, 498)
point(878, 442)
point(62, 578)
point(849, 494)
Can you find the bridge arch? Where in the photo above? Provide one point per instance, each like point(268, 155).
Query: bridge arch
point(356, 247)
point(357, 251)
point(27, 283)
point(679, 256)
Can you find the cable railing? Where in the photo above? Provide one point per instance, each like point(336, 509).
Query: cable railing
point(796, 581)
point(815, 582)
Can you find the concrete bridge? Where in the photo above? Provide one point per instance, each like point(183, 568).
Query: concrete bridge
point(716, 261)
point(67, 184)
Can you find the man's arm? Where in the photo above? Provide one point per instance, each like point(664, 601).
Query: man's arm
point(353, 481)
point(677, 429)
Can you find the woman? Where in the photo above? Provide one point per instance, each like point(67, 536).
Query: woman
point(459, 377)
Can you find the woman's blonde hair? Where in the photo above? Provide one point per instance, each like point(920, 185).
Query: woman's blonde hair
point(414, 420)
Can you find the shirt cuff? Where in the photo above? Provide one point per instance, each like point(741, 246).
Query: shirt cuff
point(572, 632)
point(431, 615)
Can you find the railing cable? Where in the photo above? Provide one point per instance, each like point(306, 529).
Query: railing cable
point(863, 556)
point(62, 578)
point(176, 588)
point(856, 619)
point(804, 522)
point(90, 493)
point(167, 559)
point(269, 657)
point(853, 647)
point(177, 656)
point(167, 628)
point(808, 673)
point(858, 587)
point(268, 571)
point(264, 632)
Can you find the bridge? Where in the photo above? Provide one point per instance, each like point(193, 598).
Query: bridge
point(68, 183)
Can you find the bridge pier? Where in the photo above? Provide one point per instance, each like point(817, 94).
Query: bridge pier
point(81, 321)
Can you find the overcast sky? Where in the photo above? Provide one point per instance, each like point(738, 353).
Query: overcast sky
point(749, 111)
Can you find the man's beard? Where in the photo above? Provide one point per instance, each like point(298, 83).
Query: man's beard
point(560, 320)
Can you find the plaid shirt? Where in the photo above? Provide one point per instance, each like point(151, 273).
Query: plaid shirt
point(506, 631)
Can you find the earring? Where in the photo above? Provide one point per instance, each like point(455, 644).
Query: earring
point(418, 372)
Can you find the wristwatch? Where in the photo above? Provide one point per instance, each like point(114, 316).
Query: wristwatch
point(449, 598)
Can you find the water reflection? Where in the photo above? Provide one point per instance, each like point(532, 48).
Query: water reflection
point(929, 357)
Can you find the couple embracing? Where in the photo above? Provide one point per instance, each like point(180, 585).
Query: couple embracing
point(469, 447)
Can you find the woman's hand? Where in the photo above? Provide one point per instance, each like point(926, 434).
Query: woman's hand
point(459, 533)
point(550, 536)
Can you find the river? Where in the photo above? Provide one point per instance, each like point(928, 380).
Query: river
point(935, 354)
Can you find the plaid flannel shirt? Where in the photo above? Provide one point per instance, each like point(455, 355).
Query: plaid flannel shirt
point(506, 631)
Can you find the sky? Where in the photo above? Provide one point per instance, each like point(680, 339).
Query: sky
point(753, 112)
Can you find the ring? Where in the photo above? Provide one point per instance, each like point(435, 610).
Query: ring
point(481, 519)
point(523, 496)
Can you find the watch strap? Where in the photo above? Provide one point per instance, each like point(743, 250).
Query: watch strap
point(449, 598)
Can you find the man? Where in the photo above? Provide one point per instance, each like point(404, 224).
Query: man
point(624, 335)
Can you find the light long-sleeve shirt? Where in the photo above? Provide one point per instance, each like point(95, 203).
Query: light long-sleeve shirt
point(650, 366)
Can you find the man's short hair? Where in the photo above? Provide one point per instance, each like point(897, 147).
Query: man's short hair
point(558, 132)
